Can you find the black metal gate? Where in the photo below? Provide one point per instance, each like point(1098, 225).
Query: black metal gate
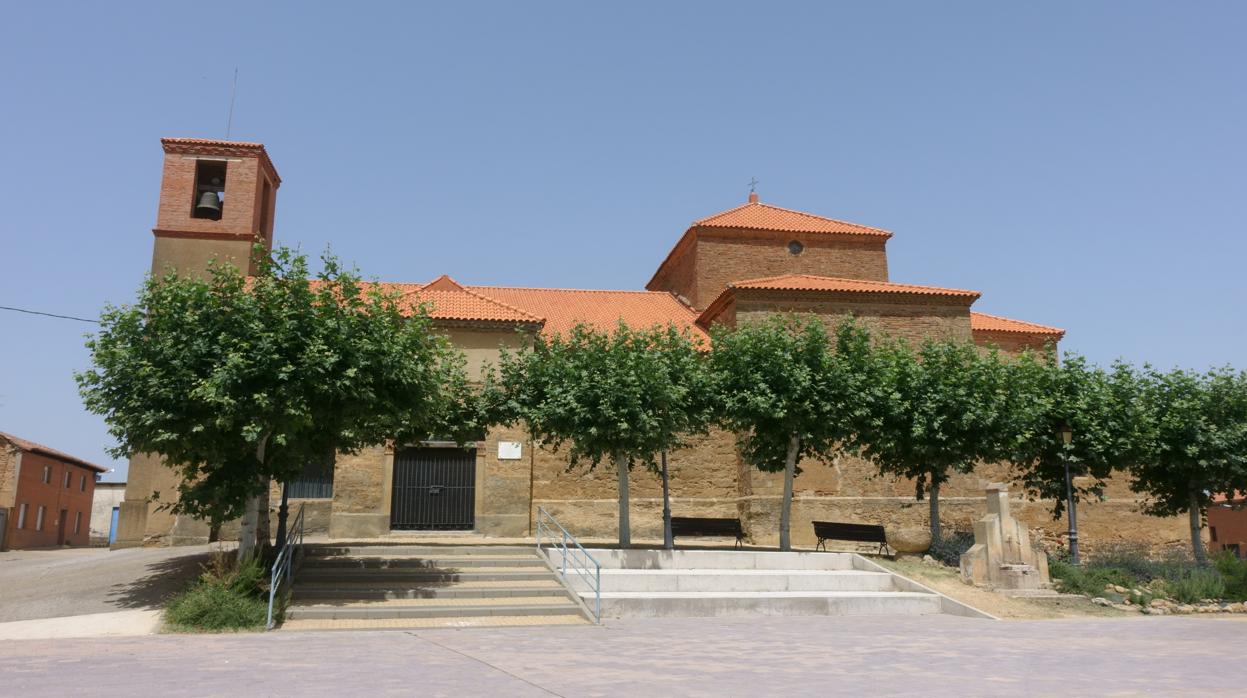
point(434, 489)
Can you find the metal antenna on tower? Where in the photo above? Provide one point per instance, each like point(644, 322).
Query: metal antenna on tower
point(229, 123)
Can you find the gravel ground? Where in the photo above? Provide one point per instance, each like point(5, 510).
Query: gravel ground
point(76, 581)
point(881, 656)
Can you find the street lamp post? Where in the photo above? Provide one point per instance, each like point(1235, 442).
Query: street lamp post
point(282, 512)
point(1066, 435)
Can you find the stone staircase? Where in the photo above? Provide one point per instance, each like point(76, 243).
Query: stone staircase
point(651, 583)
point(355, 587)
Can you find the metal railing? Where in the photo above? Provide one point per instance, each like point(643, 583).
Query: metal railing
point(568, 553)
point(288, 558)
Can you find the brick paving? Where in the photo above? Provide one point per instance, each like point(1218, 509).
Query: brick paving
point(909, 656)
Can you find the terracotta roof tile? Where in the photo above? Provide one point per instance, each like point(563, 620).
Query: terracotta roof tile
point(809, 282)
point(982, 322)
point(563, 308)
point(467, 305)
point(760, 216)
point(50, 452)
point(212, 142)
point(447, 300)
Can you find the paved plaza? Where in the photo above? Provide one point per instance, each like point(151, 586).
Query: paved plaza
point(908, 656)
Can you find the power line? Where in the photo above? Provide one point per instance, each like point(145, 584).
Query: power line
point(36, 312)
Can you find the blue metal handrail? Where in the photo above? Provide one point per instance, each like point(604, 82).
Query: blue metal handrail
point(549, 527)
point(288, 558)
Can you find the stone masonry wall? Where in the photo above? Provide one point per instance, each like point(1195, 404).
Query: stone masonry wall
point(903, 317)
point(710, 480)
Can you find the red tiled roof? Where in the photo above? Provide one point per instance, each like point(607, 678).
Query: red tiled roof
point(760, 216)
point(563, 308)
point(809, 282)
point(50, 452)
point(212, 142)
point(466, 305)
point(447, 300)
point(982, 322)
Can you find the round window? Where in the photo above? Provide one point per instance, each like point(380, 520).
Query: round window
point(795, 247)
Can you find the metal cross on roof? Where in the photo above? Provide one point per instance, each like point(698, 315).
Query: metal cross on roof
point(753, 184)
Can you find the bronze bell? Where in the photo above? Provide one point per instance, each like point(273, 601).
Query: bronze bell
point(209, 206)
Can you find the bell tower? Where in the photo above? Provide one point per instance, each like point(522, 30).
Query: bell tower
point(217, 199)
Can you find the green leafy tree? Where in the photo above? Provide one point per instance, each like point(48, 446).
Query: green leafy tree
point(940, 409)
point(235, 381)
point(1197, 444)
point(1102, 409)
point(790, 392)
point(623, 396)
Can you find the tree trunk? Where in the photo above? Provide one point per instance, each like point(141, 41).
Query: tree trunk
point(1197, 540)
point(625, 529)
point(785, 512)
point(933, 495)
point(668, 540)
point(263, 526)
point(248, 535)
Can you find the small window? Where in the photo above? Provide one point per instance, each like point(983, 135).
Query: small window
point(47, 474)
point(39, 518)
point(1212, 531)
point(82, 484)
point(78, 522)
point(795, 247)
point(1234, 548)
point(21, 515)
point(209, 199)
point(69, 477)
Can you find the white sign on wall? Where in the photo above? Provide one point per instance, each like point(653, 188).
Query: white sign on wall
point(510, 450)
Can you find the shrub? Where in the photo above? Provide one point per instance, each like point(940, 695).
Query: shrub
point(1198, 584)
point(948, 548)
point(225, 597)
point(1234, 573)
point(1087, 580)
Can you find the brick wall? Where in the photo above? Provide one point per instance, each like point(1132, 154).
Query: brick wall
point(678, 274)
point(1230, 526)
point(1012, 342)
point(54, 497)
point(735, 255)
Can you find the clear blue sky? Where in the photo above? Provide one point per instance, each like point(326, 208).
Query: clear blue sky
point(1082, 164)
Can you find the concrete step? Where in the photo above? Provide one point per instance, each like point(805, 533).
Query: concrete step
point(410, 575)
point(423, 623)
point(439, 563)
point(733, 580)
point(436, 608)
point(408, 550)
point(717, 559)
point(828, 603)
point(369, 591)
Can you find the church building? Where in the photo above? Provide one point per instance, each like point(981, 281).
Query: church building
point(731, 267)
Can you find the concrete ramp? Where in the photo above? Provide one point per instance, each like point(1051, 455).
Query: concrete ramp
point(658, 583)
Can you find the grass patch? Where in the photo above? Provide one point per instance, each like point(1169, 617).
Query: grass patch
point(226, 597)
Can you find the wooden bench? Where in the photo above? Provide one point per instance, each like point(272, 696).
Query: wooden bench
point(859, 533)
point(692, 526)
